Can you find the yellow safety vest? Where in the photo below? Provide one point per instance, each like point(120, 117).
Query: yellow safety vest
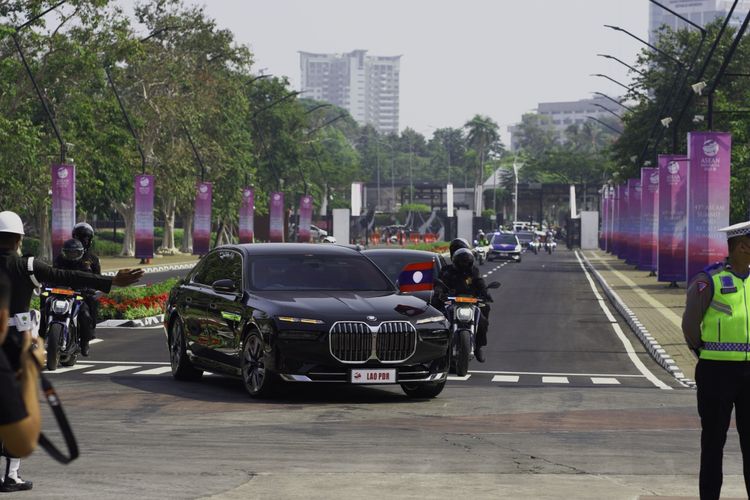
point(725, 330)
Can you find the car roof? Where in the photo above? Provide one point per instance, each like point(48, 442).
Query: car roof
point(250, 249)
point(403, 251)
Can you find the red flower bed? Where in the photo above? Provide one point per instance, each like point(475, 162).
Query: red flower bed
point(150, 302)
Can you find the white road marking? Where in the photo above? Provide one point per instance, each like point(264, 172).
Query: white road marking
point(604, 381)
point(111, 369)
point(619, 375)
point(95, 341)
point(555, 380)
point(505, 378)
point(155, 371)
point(69, 369)
point(127, 363)
point(621, 335)
point(456, 377)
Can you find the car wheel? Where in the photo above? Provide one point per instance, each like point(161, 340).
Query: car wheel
point(423, 391)
point(258, 381)
point(182, 368)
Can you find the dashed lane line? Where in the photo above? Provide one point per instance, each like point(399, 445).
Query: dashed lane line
point(604, 381)
point(506, 378)
point(69, 369)
point(555, 380)
point(109, 370)
point(155, 371)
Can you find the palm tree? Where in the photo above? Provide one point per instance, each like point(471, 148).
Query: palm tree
point(482, 136)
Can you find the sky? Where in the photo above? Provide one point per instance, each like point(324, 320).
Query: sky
point(459, 57)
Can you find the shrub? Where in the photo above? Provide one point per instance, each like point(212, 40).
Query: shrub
point(414, 207)
point(30, 246)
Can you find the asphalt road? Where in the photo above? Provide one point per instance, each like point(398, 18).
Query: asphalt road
point(566, 406)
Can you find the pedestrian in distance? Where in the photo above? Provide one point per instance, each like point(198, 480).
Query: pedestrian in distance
point(715, 325)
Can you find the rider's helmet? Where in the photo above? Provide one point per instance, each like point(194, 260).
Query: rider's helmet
point(84, 233)
point(72, 250)
point(11, 223)
point(463, 259)
point(457, 244)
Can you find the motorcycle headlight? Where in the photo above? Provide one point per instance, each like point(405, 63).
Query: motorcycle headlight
point(465, 313)
point(60, 306)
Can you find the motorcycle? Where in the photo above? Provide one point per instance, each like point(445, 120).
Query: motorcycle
point(61, 308)
point(463, 314)
point(480, 253)
point(549, 246)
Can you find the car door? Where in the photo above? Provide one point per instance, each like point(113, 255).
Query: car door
point(225, 310)
point(198, 318)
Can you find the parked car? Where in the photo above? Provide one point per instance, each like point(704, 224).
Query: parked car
point(271, 313)
point(317, 234)
point(505, 246)
point(392, 260)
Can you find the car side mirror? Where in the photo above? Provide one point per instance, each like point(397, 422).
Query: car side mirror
point(494, 284)
point(224, 286)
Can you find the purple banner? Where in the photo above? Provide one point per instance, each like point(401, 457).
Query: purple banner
point(610, 216)
point(63, 204)
point(634, 221)
point(247, 216)
point(144, 216)
point(617, 220)
point(603, 212)
point(709, 155)
point(305, 218)
point(202, 218)
point(276, 221)
point(670, 263)
point(649, 218)
point(623, 247)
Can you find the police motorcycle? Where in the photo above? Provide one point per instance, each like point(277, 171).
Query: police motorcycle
point(463, 312)
point(61, 307)
point(480, 253)
point(550, 244)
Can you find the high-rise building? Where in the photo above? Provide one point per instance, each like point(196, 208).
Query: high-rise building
point(366, 86)
point(561, 115)
point(701, 12)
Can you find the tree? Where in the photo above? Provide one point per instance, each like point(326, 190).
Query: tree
point(483, 137)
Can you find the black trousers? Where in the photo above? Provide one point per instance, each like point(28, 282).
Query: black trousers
point(481, 339)
point(722, 385)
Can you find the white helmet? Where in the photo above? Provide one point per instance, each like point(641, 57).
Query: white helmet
point(10, 222)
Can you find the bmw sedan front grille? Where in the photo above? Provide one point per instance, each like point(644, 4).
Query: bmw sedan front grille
point(396, 341)
point(351, 341)
point(357, 342)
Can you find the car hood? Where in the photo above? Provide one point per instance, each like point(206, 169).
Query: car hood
point(342, 306)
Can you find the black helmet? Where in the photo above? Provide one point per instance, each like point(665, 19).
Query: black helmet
point(72, 250)
point(84, 233)
point(463, 259)
point(457, 244)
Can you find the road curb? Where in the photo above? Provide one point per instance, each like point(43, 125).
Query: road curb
point(159, 269)
point(657, 352)
point(133, 323)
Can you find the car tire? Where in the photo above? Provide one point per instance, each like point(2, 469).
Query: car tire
point(423, 391)
point(258, 381)
point(182, 368)
point(54, 334)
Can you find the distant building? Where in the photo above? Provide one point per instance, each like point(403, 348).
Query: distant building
point(562, 115)
point(701, 12)
point(366, 86)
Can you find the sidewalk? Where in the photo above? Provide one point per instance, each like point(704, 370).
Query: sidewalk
point(656, 306)
point(115, 263)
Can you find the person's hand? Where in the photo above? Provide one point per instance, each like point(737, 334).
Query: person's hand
point(32, 351)
point(126, 277)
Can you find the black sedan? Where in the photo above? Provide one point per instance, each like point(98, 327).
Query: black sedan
point(393, 260)
point(303, 313)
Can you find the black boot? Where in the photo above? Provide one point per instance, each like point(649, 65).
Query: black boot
point(85, 348)
point(479, 354)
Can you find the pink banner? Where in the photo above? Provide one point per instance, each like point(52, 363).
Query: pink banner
point(709, 155)
point(276, 221)
point(610, 216)
point(247, 216)
point(305, 218)
point(617, 220)
point(623, 246)
point(144, 216)
point(634, 221)
point(63, 204)
point(670, 262)
point(202, 218)
point(649, 218)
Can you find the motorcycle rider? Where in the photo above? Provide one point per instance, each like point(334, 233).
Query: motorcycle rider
point(482, 240)
point(462, 278)
point(83, 259)
point(26, 274)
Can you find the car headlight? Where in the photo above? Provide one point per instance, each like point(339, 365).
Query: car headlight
point(60, 306)
point(289, 319)
point(518, 248)
point(465, 313)
point(433, 319)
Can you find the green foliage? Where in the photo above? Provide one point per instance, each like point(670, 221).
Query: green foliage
point(415, 208)
point(120, 294)
point(488, 213)
point(142, 312)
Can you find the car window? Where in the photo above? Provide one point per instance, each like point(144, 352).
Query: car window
point(315, 272)
point(220, 264)
point(504, 239)
point(393, 263)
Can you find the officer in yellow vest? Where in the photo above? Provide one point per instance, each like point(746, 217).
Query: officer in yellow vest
point(716, 328)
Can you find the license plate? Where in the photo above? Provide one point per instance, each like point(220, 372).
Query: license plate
point(503, 254)
point(369, 376)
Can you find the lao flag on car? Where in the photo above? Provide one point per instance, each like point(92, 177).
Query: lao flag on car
point(416, 277)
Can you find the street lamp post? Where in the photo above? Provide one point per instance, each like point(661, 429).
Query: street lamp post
point(516, 167)
point(613, 100)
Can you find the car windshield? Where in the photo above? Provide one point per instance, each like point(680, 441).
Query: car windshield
point(504, 239)
point(525, 237)
point(392, 263)
point(316, 272)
